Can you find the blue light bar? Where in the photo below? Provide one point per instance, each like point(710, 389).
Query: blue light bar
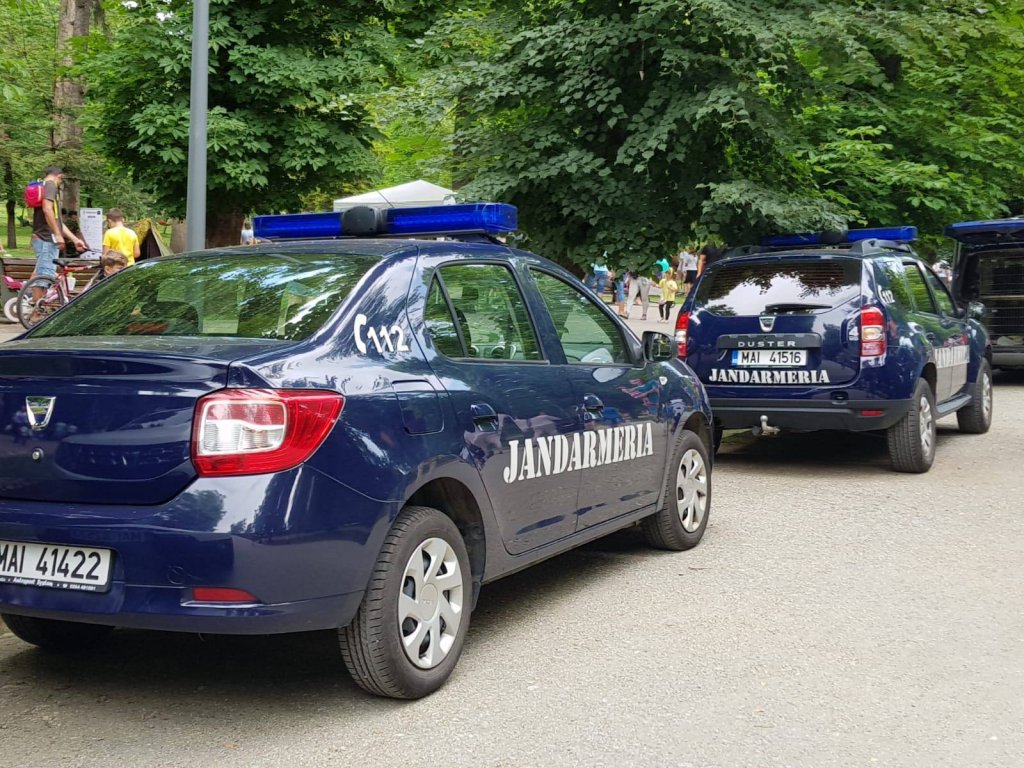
point(492, 218)
point(292, 225)
point(990, 227)
point(465, 218)
point(803, 239)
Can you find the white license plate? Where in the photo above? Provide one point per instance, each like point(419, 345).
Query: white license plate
point(769, 358)
point(78, 569)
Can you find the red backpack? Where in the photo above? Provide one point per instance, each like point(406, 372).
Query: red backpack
point(35, 194)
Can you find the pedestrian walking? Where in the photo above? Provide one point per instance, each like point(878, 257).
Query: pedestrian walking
point(668, 286)
point(639, 285)
point(709, 254)
point(120, 238)
point(49, 233)
point(597, 278)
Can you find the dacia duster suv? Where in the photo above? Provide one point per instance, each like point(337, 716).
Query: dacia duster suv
point(841, 331)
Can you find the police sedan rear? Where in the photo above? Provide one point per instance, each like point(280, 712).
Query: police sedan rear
point(350, 433)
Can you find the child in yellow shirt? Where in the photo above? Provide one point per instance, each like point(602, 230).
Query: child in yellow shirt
point(668, 287)
point(119, 238)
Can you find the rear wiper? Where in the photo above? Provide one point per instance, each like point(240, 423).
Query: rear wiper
point(793, 307)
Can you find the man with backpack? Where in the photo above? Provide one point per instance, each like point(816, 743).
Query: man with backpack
point(48, 231)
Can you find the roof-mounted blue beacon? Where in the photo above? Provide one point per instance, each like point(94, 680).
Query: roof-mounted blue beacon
point(804, 239)
point(423, 221)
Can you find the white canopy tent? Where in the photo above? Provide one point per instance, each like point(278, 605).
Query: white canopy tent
point(413, 193)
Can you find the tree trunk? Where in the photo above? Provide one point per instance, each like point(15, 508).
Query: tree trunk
point(12, 221)
point(68, 96)
point(223, 228)
point(179, 236)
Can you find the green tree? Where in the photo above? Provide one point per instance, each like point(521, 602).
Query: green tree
point(287, 119)
point(635, 125)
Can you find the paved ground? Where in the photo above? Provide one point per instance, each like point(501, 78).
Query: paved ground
point(836, 614)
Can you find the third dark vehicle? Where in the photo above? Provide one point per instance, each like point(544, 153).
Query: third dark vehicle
point(845, 331)
point(989, 268)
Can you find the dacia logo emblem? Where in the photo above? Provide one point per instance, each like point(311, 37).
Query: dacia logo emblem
point(39, 410)
point(767, 323)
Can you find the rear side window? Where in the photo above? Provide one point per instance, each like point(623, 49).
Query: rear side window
point(259, 296)
point(779, 287)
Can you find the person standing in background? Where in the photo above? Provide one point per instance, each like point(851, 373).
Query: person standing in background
point(49, 234)
point(668, 286)
point(620, 292)
point(687, 270)
point(120, 238)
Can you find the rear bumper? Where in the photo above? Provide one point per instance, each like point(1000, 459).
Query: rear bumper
point(301, 543)
point(809, 415)
point(1012, 358)
point(166, 609)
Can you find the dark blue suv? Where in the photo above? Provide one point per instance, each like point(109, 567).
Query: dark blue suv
point(354, 432)
point(846, 331)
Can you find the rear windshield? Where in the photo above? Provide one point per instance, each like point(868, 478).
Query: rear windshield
point(779, 287)
point(258, 296)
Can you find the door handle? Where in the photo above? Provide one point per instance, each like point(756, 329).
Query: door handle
point(484, 416)
point(593, 408)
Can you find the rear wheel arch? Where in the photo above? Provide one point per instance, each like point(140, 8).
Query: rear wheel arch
point(458, 502)
point(700, 427)
point(929, 374)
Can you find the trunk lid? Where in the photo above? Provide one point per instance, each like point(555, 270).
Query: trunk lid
point(108, 422)
point(808, 305)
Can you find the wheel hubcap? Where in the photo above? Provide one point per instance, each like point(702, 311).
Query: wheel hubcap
point(430, 606)
point(986, 397)
point(692, 490)
point(927, 427)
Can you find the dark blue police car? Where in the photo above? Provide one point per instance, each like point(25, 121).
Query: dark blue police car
point(350, 432)
point(847, 331)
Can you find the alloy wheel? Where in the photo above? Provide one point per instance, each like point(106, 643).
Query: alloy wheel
point(927, 422)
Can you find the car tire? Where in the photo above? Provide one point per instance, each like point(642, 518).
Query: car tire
point(420, 585)
point(976, 417)
point(681, 522)
point(717, 433)
point(57, 636)
point(912, 439)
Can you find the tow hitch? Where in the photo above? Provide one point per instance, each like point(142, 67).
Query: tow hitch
point(765, 429)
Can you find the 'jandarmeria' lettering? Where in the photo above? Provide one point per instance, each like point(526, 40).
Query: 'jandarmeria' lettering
point(742, 376)
point(543, 456)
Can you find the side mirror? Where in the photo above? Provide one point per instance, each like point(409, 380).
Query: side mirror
point(975, 311)
point(658, 347)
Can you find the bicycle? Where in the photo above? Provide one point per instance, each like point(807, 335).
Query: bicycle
point(40, 297)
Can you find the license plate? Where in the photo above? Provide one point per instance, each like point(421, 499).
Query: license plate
point(769, 358)
point(78, 569)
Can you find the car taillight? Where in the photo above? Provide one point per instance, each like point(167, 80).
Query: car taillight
point(872, 332)
point(683, 333)
point(253, 431)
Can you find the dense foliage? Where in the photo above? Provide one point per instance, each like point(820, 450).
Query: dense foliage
point(634, 126)
point(286, 116)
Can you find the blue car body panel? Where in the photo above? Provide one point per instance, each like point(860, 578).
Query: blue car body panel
point(114, 469)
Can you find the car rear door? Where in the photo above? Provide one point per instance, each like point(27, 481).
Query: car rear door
point(516, 409)
point(934, 316)
point(622, 402)
point(788, 321)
